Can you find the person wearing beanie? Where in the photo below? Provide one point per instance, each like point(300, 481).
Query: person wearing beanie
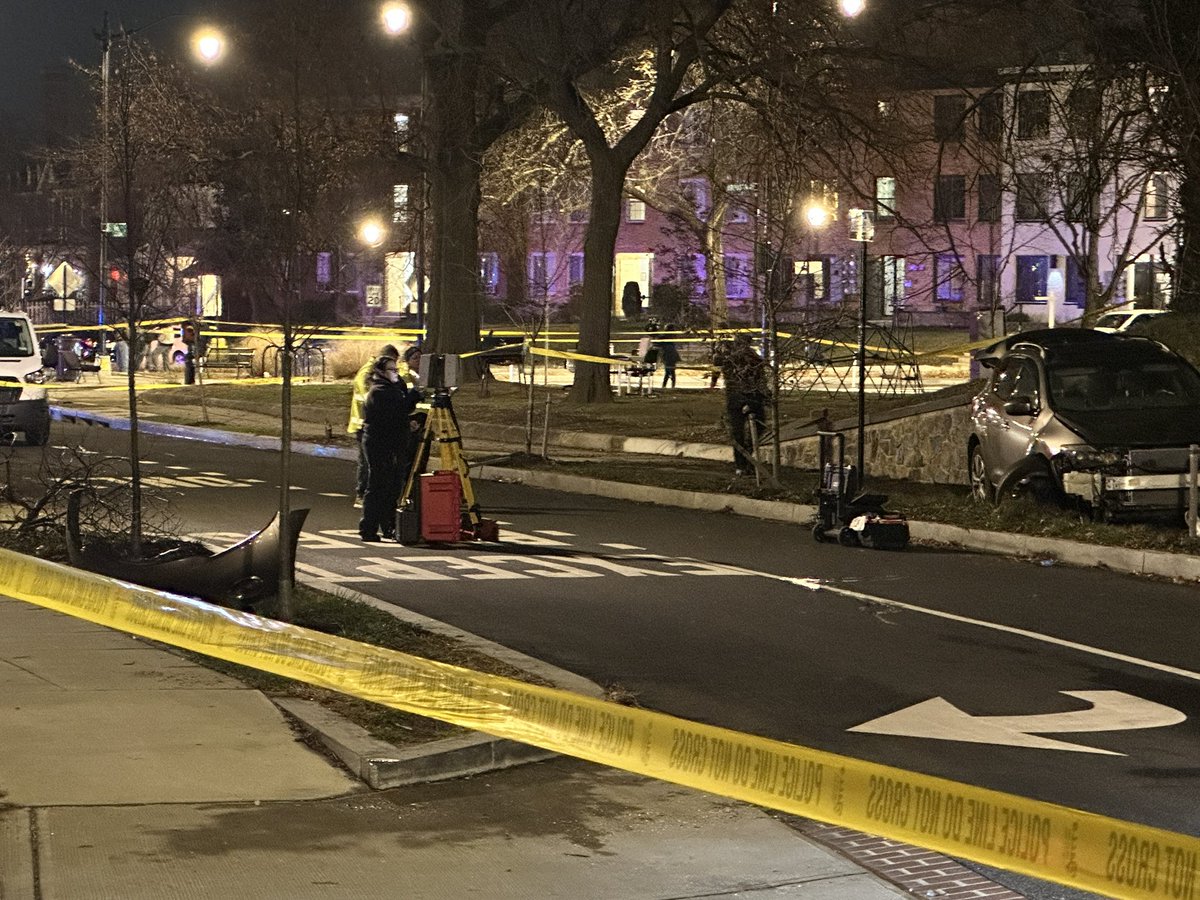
point(359, 396)
point(386, 435)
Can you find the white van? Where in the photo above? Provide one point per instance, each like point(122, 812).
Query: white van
point(24, 407)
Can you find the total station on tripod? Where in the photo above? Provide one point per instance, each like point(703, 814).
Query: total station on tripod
point(440, 371)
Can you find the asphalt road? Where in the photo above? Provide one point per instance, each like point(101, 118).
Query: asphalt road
point(752, 625)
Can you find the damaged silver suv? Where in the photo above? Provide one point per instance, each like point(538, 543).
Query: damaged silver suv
point(1101, 420)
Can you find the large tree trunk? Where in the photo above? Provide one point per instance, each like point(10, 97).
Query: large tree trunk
point(454, 191)
point(1187, 263)
point(591, 383)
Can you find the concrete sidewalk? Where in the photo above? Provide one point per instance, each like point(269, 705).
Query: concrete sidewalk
point(130, 772)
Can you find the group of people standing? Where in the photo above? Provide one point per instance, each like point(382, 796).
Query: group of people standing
point(387, 421)
point(154, 351)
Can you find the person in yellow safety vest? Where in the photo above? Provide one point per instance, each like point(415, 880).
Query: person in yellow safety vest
point(410, 373)
point(362, 384)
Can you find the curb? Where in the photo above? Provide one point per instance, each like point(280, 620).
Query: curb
point(382, 765)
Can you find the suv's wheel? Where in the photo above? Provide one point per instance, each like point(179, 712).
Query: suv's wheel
point(981, 489)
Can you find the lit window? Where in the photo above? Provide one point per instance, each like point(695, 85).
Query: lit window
point(635, 211)
point(489, 272)
point(399, 202)
point(324, 267)
point(885, 197)
point(541, 271)
point(575, 269)
point(1157, 198)
point(737, 276)
point(950, 278)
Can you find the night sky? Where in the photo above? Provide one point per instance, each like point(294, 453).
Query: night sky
point(40, 33)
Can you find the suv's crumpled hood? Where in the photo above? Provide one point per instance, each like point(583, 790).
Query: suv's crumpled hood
point(1136, 427)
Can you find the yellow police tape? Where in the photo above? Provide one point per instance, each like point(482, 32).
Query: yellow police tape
point(1076, 848)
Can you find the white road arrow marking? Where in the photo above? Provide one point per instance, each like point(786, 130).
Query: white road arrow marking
point(1111, 711)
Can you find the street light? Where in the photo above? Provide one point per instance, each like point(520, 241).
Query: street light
point(862, 230)
point(398, 19)
point(372, 232)
point(208, 44)
point(851, 8)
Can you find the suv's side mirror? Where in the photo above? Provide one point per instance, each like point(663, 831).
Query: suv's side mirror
point(1021, 406)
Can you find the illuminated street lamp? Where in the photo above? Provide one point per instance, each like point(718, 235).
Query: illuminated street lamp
point(851, 8)
point(208, 45)
point(816, 215)
point(372, 232)
point(397, 17)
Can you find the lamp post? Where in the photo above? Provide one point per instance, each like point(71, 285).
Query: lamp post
point(398, 19)
point(208, 45)
point(862, 230)
point(372, 233)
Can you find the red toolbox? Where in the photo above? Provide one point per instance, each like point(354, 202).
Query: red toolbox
point(441, 507)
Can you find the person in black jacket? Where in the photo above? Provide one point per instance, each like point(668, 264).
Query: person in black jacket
point(386, 436)
point(746, 395)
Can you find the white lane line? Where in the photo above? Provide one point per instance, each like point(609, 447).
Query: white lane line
point(622, 546)
point(550, 532)
point(340, 496)
point(172, 468)
point(813, 584)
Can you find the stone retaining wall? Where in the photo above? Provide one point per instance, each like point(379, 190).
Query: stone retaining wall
point(928, 444)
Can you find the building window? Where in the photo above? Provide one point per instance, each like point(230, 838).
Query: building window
point(989, 114)
point(948, 113)
point(399, 202)
point(949, 278)
point(737, 276)
point(949, 198)
point(1075, 197)
point(987, 281)
point(885, 197)
point(741, 204)
point(575, 269)
point(578, 216)
point(692, 270)
point(1083, 109)
point(1032, 273)
point(324, 267)
point(1031, 198)
point(989, 198)
point(403, 124)
point(811, 280)
point(695, 191)
point(489, 272)
point(1033, 115)
point(543, 215)
point(635, 211)
point(1157, 199)
point(541, 271)
point(892, 268)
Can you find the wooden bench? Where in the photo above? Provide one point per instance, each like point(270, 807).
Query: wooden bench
point(226, 359)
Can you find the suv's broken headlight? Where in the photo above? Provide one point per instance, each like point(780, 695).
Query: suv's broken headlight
point(1081, 456)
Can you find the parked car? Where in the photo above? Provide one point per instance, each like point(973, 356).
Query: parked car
point(1101, 420)
point(1120, 320)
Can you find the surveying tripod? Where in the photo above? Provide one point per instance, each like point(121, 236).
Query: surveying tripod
point(441, 427)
